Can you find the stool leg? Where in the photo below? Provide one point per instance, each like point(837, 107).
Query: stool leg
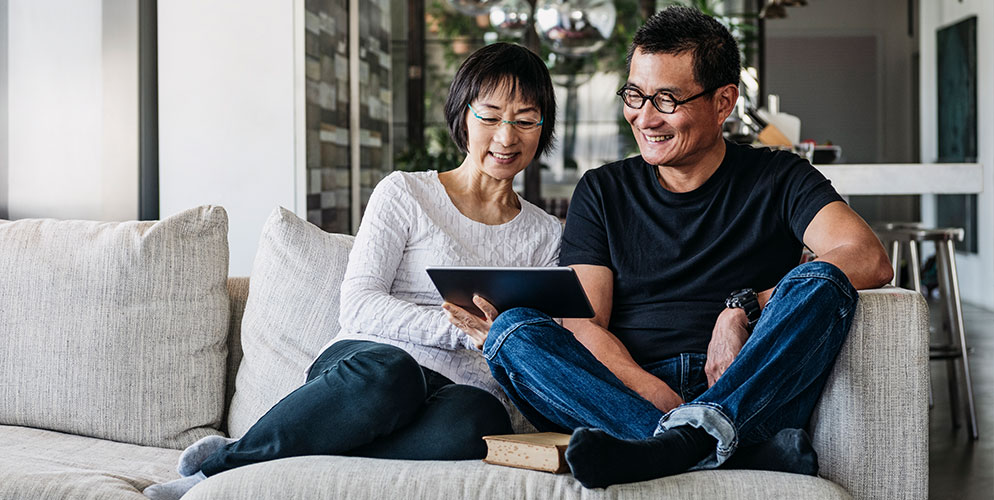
point(956, 322)
point(895, 262)
point(945, 297)
point(913, 264)
point(916, 277)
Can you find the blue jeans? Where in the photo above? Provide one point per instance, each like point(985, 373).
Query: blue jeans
point(772, 385)
point(370, 400)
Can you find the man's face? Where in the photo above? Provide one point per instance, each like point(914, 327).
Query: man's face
point(685, 136)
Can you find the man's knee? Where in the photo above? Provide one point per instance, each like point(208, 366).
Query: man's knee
point(820, 272)
point(820, 279)
point(518, 325)
point(514, 317)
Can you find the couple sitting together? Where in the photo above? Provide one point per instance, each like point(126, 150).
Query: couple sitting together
point(709, 346)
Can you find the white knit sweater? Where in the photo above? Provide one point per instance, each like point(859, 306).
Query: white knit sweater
point(411, 223)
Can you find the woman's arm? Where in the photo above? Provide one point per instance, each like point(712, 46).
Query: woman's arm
point(367, 305)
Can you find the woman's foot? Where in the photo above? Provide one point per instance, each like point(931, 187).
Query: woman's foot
point(175, 489)
point(195, 455)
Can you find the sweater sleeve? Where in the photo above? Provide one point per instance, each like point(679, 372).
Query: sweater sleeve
point(367, 305)
point(550, 248)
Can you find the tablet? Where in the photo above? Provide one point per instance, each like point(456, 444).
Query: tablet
point(556, 291)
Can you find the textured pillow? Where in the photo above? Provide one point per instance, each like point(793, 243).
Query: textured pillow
point(115, 330)
point(292, 312)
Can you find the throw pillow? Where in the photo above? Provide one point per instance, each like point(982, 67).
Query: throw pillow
point(291, 313)
point(115, 330)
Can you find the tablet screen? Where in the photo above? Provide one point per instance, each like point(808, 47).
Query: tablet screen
point(556, 291)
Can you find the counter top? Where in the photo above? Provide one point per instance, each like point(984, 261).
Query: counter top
point(904, 178)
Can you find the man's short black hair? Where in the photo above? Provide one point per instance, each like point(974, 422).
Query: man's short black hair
point(491, 68)
point(677, 30)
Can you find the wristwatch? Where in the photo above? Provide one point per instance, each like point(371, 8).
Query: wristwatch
point(746, 300)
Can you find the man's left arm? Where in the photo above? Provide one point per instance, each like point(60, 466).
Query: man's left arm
point(836, 235)
point(840, 237)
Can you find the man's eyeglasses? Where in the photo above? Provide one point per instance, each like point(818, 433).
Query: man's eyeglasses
point(494, 121)
point(664, 102)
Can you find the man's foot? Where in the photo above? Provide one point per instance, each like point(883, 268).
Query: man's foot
point(790, 450)
point(175, 489)
point(599, 460)
point(195, 454)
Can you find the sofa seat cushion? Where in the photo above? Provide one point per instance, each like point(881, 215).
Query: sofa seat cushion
point(35, 463)
point(361, 478)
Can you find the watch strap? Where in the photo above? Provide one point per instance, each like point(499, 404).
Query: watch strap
point(747, 300)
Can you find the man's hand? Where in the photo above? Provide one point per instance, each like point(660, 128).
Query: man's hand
point(474, 326)
point(729, 335)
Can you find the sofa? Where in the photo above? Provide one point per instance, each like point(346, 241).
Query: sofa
point(122, 343)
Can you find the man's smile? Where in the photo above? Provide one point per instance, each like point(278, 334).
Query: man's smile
point(657, 138)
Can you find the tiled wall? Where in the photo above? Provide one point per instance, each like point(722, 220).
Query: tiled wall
point(326, 45)
point(375, 95)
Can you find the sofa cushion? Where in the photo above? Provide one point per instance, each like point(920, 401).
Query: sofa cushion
point(115, 330)
point(291, 313)
point(358, 478)
point(35, 463)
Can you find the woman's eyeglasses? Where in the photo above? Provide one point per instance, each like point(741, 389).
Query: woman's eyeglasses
point(495, 121)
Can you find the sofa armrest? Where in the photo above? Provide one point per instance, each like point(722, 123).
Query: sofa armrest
point(238, 290)
point(870, 427)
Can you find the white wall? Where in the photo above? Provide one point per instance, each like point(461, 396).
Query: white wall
point(72, 109)
point(976, 271)
point(804, 69)
point(227, 112)
point(3, 110)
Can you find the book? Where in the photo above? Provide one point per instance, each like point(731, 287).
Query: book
point(542, 451)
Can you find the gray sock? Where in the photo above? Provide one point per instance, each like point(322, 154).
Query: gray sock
point(175, 489)
point(193, 457)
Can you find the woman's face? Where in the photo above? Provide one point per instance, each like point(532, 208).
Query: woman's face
point(498, 148)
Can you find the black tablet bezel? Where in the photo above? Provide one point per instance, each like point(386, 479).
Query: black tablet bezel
point(556, 291)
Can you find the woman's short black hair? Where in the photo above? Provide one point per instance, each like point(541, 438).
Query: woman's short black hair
point(676, 30)
point(491, 68)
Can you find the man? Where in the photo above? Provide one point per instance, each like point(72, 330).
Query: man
point(708, 337)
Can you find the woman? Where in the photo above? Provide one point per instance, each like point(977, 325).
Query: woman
point(401, 381)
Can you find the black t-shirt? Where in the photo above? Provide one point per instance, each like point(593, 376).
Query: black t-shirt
point(677, 256)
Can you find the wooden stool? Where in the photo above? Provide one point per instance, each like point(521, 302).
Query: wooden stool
point(896, 236)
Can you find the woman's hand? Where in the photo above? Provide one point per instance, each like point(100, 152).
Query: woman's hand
point(474, 326)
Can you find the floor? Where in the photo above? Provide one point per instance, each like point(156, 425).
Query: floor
point(960, 468)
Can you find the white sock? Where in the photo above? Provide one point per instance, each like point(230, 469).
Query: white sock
point(195, 455)
point(175, 489)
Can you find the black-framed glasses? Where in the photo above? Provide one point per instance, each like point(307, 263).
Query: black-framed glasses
point(663, 101)
point(494, 121)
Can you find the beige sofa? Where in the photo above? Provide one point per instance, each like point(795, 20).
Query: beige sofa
point(120, 344)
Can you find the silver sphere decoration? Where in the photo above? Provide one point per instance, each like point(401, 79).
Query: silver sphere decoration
point(567, 71)
point(575, 27)
point(473, 7)
point(511, 17)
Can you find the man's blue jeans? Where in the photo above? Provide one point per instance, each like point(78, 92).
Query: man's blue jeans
point(773, 384)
